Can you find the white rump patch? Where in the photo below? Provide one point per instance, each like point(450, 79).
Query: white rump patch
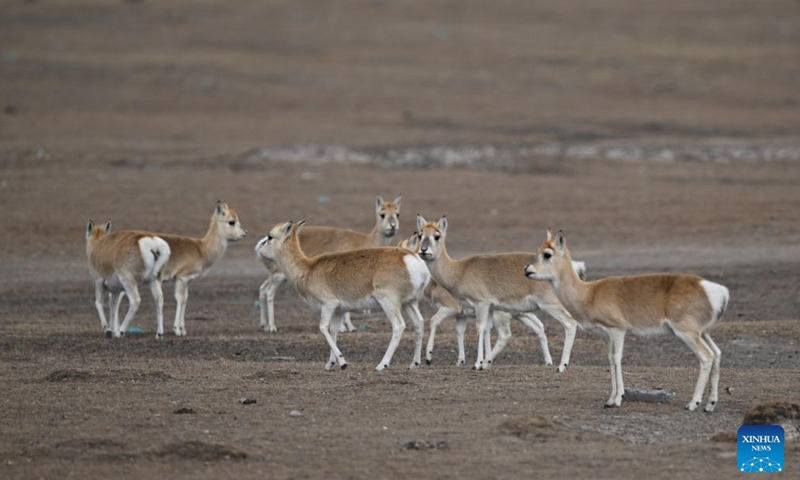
point(717, 295)
point(155, 254)
point(420, 276)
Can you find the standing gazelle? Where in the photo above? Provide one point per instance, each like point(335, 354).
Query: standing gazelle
point(389, 278)
point(118, 261)
point(319, 240)
point(685, 304)
point(492, 282)
point(190, 258)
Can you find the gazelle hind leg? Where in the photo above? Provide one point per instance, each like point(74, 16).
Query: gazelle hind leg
point(706, 357)
point(714, 395)
point(533, 322)
point(392, 310)
point(158, 296)
point(336, 325)
point(348, 323)
point(570, 329)
point(132, 291)
point(99, 292)
point(413, 313)
point(616, 342)
point(324, 327)
point(114, 302)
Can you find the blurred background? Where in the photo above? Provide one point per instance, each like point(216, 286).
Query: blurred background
point(184, 77)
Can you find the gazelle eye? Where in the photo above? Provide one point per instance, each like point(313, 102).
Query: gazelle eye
point(383, 215)
point(547, 255)
point(437, 237)
point(232, 223)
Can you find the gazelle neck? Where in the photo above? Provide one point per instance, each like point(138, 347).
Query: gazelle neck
point(570, 289)
point(213, 245)
point(377, 238)
point(294, 262)
point(445, 270)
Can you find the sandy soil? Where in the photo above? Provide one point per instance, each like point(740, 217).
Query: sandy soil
point(147, 114)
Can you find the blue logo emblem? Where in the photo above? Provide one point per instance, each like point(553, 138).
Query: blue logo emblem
point(760, 448)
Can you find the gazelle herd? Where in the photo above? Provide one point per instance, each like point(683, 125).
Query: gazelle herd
point(338, 271)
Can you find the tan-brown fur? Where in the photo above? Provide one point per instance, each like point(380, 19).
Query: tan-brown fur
point(117, 266)
point(489, 282)
point(355, 279)
point(641, 303)
point(112, 252)
point(318, 240)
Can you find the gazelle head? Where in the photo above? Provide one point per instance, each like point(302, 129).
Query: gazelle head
point(388, 215)
point(550, 259)
point(431, 238)
point(270, 246)
point(96, 231)
point(228, 223)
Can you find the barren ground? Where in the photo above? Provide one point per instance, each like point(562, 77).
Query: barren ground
point(149, 113)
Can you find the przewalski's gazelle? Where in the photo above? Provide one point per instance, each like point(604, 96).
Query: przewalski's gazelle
point(118, 261)
point(687, 305)
point(192, 257)
point(390, 278)
point(489, 283)
point(318, 240)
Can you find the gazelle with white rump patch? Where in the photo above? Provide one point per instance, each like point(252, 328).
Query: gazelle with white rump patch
point(118, 261)
point(447, 306)
point(687, 305)
point(319, 240)
point(491, 283)
point(390, 278)
point(193, 257)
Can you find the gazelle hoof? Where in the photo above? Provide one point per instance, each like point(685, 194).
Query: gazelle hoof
point(109, 334)
point(344, 365)
point(427, 361)
point(159, 336)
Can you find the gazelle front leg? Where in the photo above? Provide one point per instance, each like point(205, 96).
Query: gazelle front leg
point(181, 296)
point(570, 329)
point(461, 329)
point(132, 291)
point(114, 301)
point(502, 321)
point(267, 300)
point(158, 297)
point(441, 315)
point(482, 321)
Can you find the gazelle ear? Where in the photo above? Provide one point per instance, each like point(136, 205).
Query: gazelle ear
point(561, 243)
point(549, 235)
point(413, 242)
point(221, 208)
point(89, 228)
point(442, 225)
point(378, 204)
point(299, 227)
point(107, 226)
point(420, 222)
point(397, 202)
point(287, 228)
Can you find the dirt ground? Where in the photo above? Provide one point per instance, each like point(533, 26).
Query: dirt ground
point(147, 113)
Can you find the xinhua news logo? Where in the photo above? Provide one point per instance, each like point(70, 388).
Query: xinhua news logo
point(760, 448)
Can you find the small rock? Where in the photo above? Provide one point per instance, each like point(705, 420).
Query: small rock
point(296, 413)
point(184, 411)
point(247, 401)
